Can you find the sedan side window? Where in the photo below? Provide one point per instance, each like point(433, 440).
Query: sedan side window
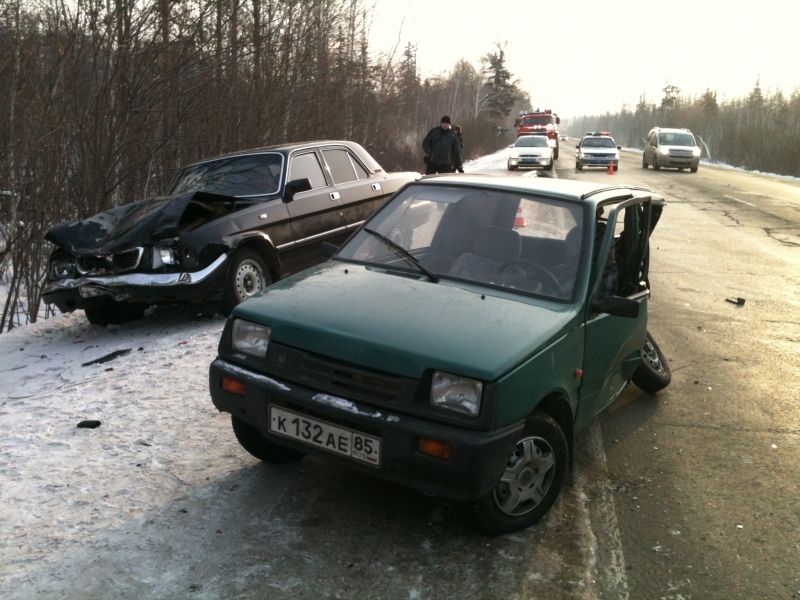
point(306, 166)
point(360, 170)
point(340, 166)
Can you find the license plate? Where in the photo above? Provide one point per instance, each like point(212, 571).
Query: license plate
point(338, 440)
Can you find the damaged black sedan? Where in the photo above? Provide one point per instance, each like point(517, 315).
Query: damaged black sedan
point(226, 229)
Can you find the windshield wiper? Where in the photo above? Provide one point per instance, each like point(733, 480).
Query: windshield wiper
point(404, 253)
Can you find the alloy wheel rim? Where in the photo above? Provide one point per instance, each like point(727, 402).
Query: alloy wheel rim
point(527, 478)
point(249, 279)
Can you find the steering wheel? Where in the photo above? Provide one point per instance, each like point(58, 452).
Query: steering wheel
point(549, 279)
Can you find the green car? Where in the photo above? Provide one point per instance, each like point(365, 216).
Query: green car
point(456, 343)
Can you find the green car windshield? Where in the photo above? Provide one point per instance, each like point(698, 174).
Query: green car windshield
point(521, 243)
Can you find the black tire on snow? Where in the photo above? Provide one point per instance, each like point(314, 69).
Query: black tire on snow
point(653, 375)
point(250, 439)
point(248, 274)
point(644, 162)
point(546, 437)
point(114, 313)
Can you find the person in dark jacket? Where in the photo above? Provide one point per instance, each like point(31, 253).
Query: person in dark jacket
point(457, 131)
point(442, 148)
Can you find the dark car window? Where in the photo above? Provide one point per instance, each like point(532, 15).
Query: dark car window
point(360, 171)
point(528, 121)
point(522, 243)
point(531, 141)
point(598, 142)
point(340, 165)
point(306, 166)
point(676, 139)
point(252, 175)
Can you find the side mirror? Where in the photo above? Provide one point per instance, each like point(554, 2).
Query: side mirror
point(296, 186)
point(326, 249)
point(578, 146)
point(619, 147)
point(511, 145)
point(558, 121)
point(618, 307)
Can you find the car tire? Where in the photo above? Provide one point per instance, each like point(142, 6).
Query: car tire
point(247, 275)
point(537, 469)
point(114, 313)
point(693, 169)
point(656, 166)
point(616, 168)
point(653, 374)
point(644, 161)
point(548, 167)
point(555, 154)
point(251, 439)
point(578, 166)
point(510, 168)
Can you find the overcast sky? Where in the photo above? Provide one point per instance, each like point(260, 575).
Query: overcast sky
point(587, 57)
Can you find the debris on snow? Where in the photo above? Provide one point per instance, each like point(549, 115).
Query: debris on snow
point(108, 357)
point(90, 424)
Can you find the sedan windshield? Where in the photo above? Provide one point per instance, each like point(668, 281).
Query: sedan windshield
point(521, 243)
point(241, 176)
point(531, 141)
point(598, 142)
point(676, 139)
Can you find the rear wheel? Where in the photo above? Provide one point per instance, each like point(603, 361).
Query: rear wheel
point(256, 444)
point(530, 482)
point(644, 161)
point(247, 275)
point(653, 375)
point(114, 313)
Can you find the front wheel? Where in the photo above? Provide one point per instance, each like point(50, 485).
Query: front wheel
point(555, 154)
point(530, 482)
point(510, 168)
point(578, 166)
point(644, 161)
point(656, 166)
point(693, 169)
point(653, 374)
point(549, 167)
point(256, 444)
point(247, 275)
point(616, 168)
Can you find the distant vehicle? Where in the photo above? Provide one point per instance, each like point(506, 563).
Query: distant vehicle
point(564, 138)
point(226, 229)
point(540, 122)
point(675, 148)
point(463, 364)
point(597, 149)
point(530, 151)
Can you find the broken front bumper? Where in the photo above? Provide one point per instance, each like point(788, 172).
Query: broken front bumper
point(71, 294)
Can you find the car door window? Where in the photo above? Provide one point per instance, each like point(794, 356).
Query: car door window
point(306, 166)
point(360, 170)
point(339, 163)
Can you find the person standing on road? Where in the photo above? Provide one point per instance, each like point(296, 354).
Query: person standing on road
point(457, 131)
point(441, 148)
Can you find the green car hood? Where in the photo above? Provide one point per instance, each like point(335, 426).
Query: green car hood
point(404, 326)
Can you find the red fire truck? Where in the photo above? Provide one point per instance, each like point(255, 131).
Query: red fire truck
point(539, 122)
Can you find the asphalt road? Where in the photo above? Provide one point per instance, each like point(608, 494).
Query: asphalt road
point(688, 494)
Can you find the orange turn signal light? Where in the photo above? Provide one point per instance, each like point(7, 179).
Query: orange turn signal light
point(233, 386)
point(434, 448)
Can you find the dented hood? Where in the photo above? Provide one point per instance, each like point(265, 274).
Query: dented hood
point(129, 226)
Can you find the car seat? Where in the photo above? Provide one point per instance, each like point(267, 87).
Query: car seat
point(493, 247)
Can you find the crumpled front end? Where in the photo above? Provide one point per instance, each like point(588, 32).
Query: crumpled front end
point(136, 253)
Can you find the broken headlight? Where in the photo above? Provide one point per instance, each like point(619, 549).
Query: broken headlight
point(250, 338)
point(455, 393)
point(165, 256)
point(62, 269)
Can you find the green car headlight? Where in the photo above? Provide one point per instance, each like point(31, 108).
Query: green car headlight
point(455, 393)
point(250, 338)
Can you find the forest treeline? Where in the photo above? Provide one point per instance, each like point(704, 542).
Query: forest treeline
point(102, 101)
point(757, 132)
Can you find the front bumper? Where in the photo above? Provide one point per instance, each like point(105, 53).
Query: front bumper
point(529, 162)
point(83, 292)
point(678, 162)
point(597, 161)
point(478, 457)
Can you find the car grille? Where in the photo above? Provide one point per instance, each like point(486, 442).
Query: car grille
point(109, 263)
point(348, 381)
point(681, 153)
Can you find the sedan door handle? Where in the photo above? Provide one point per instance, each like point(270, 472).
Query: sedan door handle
point(335, 195)
point(376, 187)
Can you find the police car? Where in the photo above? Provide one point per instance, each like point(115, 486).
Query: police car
point(597, 149)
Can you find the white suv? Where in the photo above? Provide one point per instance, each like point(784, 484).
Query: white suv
point(675, 148)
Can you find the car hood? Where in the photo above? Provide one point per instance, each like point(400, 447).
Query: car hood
point(404, 326)
point(131, 225)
